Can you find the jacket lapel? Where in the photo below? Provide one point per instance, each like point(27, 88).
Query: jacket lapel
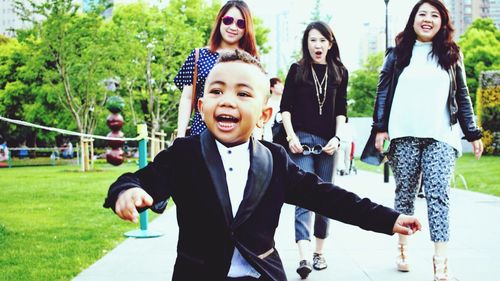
point(259, 177)
point(215, 167)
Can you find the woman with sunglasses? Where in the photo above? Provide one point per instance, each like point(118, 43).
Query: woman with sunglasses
point(313, 108)
point(233, 29)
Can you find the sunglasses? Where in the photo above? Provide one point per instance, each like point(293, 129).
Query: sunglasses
point(317, 149)
point(228, 20)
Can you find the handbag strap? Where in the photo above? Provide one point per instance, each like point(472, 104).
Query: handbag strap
point(195, 78)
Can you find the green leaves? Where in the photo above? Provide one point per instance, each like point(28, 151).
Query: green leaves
point(480, 45)
point(363, 87)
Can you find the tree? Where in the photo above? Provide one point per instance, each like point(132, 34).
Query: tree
point(25, 95)
point(480, 45)
point(316, 13)
point(77, 56)
point(363, 87)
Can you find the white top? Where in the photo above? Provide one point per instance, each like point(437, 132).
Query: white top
point(266, 132)
point(275, 105)
point(236, 161)
point(420, 107)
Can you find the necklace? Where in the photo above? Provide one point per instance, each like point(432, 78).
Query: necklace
point(320, 88)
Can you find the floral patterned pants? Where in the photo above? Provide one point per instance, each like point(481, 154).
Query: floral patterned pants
point(411, 158)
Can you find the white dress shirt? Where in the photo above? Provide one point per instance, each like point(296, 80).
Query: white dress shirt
point(236, 161)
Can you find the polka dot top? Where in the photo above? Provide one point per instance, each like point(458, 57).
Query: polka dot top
point(206, 61)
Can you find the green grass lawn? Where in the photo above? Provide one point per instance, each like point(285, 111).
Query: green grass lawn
point(52, 223)
point(481, 176)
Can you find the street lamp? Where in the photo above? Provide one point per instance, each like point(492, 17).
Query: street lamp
point(386, 25)
point(386, 165)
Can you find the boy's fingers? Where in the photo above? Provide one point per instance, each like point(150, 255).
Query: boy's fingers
point(407, 225)
point(144, 200)
point(403, 230)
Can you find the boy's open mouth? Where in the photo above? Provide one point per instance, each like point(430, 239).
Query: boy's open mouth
point(226, 121)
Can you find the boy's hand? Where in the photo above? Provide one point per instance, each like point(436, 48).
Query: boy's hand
point(406, 225)
point(128, 202)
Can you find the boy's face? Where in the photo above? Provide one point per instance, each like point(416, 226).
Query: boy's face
point(234, 101)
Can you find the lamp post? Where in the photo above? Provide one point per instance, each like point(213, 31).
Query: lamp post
point(386, 165)
point(386, 24)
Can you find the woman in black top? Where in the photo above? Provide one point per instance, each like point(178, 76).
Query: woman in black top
point(314, 109)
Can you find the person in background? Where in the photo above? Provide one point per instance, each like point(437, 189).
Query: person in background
point(422, 98)
point(233, 29)
point(23, 150)
point(228, 213)
point(276, 89)
point(67, 150)
point(344, 156)
point(4, 150)
point(314, 108)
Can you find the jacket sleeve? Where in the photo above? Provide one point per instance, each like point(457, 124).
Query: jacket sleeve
point(465, 113)
point(384, 84)
point(287, 99)
point(341, 97)
point(308, 191)
point(154, 179)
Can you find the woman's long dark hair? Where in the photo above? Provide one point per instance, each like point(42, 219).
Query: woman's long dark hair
point(443, 46)
point(247, 42)
point(335, 66)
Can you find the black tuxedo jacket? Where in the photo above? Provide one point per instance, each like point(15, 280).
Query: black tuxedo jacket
point(192, 173)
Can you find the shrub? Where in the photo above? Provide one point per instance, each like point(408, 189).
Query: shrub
point(488, 110)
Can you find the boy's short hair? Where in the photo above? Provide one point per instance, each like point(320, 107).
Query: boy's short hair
point(239, 55)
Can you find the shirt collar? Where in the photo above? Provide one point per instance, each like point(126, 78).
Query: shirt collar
point(237, 150)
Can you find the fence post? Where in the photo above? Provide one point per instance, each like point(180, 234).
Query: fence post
point(143, 232)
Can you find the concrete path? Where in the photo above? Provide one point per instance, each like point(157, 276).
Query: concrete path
point(351, 253)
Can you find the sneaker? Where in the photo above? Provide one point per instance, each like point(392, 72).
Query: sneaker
point(319, 262)
point(304, 269)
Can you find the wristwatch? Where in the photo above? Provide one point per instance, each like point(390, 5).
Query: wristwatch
point(289, 138)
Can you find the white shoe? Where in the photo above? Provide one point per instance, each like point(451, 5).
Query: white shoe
point(402, 258)
point(440, 268)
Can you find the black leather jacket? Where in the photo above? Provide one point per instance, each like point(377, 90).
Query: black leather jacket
point(459, 103)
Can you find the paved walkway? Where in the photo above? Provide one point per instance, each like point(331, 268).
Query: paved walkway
point(352, 253)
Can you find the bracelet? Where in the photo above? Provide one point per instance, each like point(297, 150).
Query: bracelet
point(337, 138)
point(288, 138)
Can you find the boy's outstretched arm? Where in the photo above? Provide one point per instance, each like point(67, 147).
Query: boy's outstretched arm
point(129, 200)
point(406, 225)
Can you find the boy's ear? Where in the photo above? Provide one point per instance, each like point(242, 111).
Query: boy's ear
point(200, 108)
point(267, 112)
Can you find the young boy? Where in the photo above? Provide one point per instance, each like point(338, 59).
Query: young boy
point(229, 188)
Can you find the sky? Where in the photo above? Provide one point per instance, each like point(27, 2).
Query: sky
point(347, 20)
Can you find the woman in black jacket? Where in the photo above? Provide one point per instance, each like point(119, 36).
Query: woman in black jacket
point(421, 96)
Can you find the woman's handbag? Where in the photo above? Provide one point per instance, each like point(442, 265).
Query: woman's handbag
point(193, 94)
point(279, 134)
point(371, 155)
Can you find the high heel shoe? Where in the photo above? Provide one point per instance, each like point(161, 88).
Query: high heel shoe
point(402, 258)
point(440, 268)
